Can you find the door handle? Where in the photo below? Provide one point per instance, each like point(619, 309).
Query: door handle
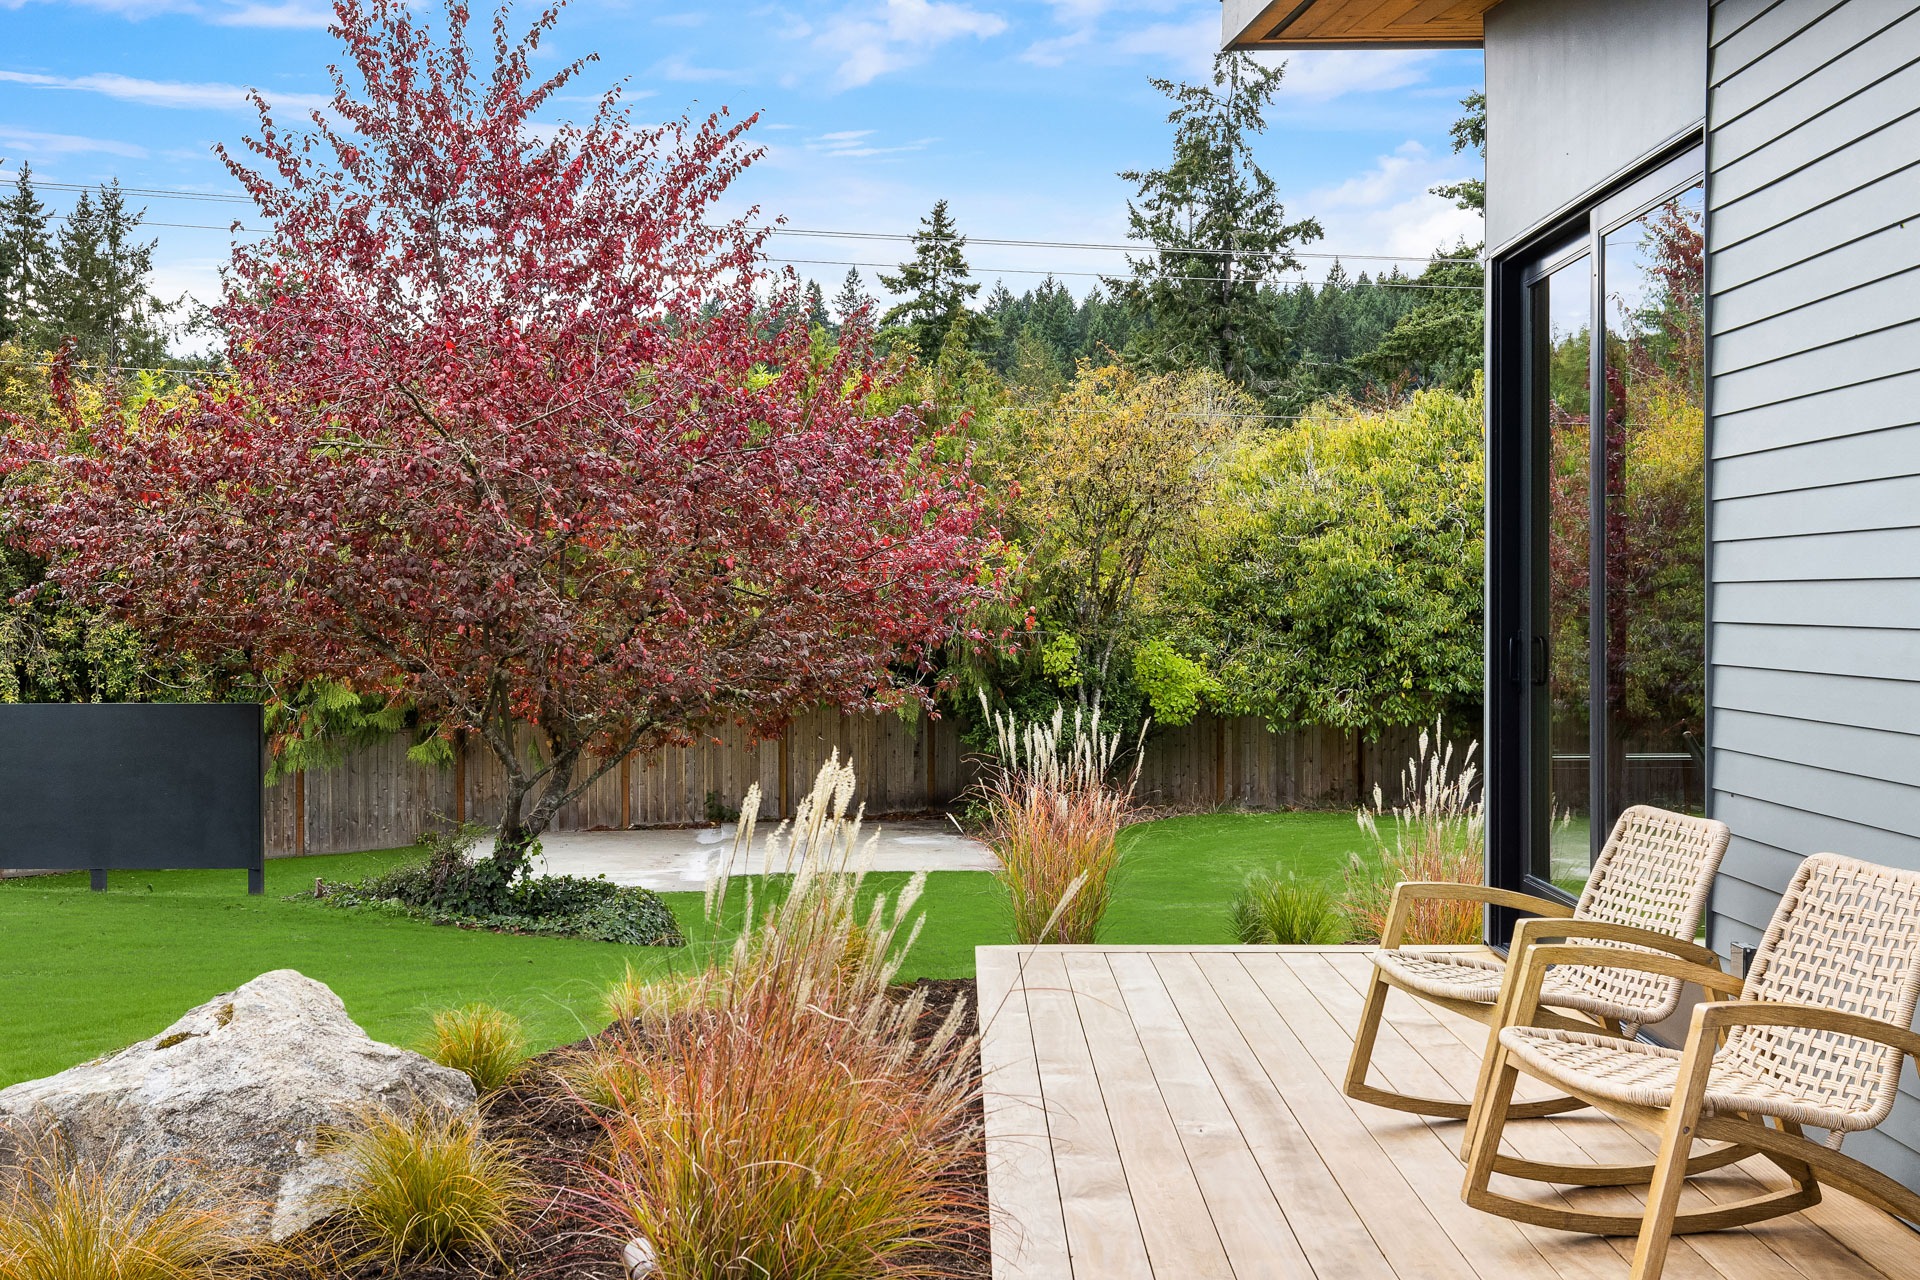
point(1541, 663)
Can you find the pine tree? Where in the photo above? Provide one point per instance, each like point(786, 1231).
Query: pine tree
point(817, 317)
point(97, 290)
point(934, 283)
point(1470, 130)
point(1218, 229)
point(24, 254)
point(853, 296)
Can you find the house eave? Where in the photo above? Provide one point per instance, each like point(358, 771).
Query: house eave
point(1352, 24)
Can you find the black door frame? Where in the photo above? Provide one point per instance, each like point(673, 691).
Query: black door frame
point(1515, 657)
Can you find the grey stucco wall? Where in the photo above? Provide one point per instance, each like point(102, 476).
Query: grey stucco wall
point(1580, 91)
point(1813, 195)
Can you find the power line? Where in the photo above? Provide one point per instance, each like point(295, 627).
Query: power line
point(166, 193)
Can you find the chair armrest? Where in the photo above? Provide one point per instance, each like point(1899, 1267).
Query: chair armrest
point(1529, 933)
point(1524, 1001)
point(1721, 1015)
point(1408, 892)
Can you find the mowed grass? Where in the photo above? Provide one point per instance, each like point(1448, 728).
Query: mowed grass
point(82, 974)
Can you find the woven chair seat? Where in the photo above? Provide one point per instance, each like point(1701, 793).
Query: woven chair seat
point(1645, 1075)
point(1476, 979)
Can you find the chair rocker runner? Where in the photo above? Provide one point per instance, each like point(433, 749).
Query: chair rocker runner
point(1648, 890)
point(1816, 1038)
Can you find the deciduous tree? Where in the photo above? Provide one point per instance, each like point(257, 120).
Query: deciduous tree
point(508, 438)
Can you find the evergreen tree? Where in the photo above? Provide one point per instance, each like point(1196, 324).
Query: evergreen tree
point(934, 283)
point(24, 253)
point(1218, 229)
point(1470, 130)
point(853, 296)
point(97, 290)
point(1004, 312)
point(817, 317)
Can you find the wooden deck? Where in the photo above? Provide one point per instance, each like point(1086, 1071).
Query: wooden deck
point(1176, 1113)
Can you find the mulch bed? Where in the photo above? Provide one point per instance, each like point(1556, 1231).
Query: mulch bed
point(558, 1138)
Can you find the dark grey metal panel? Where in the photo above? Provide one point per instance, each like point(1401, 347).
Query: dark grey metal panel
point(131, 785)
point(1866, 504)
point(1579, 92)
point(1887, 252)
point(1846, 459)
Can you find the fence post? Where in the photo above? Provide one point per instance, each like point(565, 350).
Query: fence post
point(626, 793)
point(460, 780)
point(299, 813)
point(786, 753)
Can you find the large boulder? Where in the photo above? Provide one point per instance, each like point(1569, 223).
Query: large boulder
point(234, 1096)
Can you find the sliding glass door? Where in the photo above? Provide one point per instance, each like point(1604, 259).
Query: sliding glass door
point(1605, 685)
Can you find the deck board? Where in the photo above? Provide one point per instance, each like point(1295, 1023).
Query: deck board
point(1161, 1112)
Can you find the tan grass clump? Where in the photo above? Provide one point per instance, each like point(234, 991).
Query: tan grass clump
point(487, 1044)
point(63, 1218)
point(1055, 817)
point(1439, 834)
point(789, 1122)
point(429, 1185)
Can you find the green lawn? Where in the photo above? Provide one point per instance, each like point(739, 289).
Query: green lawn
point(84, 973)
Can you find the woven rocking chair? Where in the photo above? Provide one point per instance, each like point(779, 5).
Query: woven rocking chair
point(1648, 890)
point(1816, 1038)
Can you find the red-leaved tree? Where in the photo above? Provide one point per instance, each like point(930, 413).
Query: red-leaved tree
point(510, 436)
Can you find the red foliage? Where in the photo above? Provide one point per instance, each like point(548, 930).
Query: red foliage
point(510, 436)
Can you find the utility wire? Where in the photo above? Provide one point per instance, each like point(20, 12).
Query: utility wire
point(164, 193)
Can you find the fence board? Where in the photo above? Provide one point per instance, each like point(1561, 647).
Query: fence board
point(377, 798)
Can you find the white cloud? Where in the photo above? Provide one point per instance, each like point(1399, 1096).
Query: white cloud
point(869, 41)
point(290, 15)
point(211, 96)
point(32, 140)
point(681, 68)
point(1389, 208)
point(859, 144)
point(1321, 76)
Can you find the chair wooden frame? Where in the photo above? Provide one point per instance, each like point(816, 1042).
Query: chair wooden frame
point(1681, 1123)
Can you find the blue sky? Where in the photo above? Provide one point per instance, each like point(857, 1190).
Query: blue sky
point(1019, 113)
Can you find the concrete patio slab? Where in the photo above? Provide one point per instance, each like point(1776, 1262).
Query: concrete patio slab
point(681, 860)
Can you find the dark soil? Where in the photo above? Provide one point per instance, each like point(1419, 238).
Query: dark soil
point(558, 1137)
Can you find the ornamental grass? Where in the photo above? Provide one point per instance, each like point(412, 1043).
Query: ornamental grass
point(1439, 834)
point(1054, 820)
point(791, 1120)
point(487, 1044)
point(64, 1218)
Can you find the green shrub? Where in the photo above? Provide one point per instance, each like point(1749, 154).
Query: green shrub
point(428, 1185)
point(443, 888)
point(1271, 911)
point(63, 1219)
point(485, 1043)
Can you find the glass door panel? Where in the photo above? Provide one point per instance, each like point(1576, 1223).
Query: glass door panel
point(1654, 588)
point(1562, 304)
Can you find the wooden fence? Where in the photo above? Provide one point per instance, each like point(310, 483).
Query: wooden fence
point(377, 798)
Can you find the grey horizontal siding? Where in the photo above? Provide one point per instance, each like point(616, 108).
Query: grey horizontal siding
point(1775, 106)
point(1837, 460)
point(1813, 228)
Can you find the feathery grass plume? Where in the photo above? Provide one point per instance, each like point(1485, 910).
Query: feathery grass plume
point(487, 1044)
point(1439, 834)
point(1275, 911)
point(1054, 820)
point(427, 1185)
point(792, 1122)
point(64, 1218)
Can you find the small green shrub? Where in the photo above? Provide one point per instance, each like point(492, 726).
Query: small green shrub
point(1272, 911)
point(64, 1219)
point(449, 890)
point(486, 1043)
point(428, 1185)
